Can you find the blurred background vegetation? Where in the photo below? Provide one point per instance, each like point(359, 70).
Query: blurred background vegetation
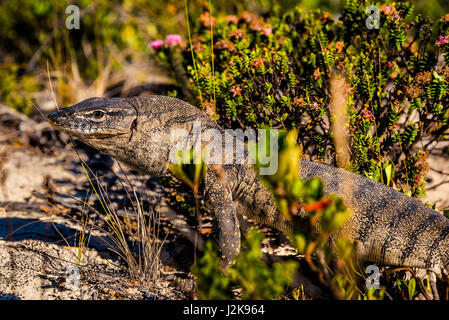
point(112, 39)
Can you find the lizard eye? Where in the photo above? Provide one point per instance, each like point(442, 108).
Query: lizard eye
point(98, 115)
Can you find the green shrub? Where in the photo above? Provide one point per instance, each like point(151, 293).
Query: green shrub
point(249, 273)
point(304, 204)
point(274, 71)
point(16, 90)
point(316, 218)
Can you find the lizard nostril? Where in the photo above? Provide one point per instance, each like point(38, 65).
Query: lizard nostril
point(56, 117)
point(53, 116)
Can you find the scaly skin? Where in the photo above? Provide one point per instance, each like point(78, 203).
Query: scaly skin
point(391, 228)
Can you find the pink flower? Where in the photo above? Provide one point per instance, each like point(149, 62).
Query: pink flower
point(442, 41)
point(173, 40)
point(236, 91)
point(367, 115)
point(267, 30)
point(156, 45)
point(259, 62)
point(388, 10)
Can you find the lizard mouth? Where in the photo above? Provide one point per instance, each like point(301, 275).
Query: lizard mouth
point(60, 121)
point(82, 130)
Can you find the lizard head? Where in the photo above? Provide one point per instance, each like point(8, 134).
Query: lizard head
point(103, 123)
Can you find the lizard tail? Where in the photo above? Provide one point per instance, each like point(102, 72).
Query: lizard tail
point(390, 227)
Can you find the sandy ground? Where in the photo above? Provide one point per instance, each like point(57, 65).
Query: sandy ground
point(39, 237)
point(38, 244)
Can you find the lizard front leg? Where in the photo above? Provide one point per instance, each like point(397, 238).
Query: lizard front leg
point(219, 200)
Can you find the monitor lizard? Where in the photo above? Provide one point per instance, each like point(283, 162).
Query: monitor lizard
point(390, 227)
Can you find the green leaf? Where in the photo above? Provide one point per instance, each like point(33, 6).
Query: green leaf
point(411, 288)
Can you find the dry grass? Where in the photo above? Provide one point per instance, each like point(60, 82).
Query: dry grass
point(337, 109)
point(140, 248)
point(136, 243)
